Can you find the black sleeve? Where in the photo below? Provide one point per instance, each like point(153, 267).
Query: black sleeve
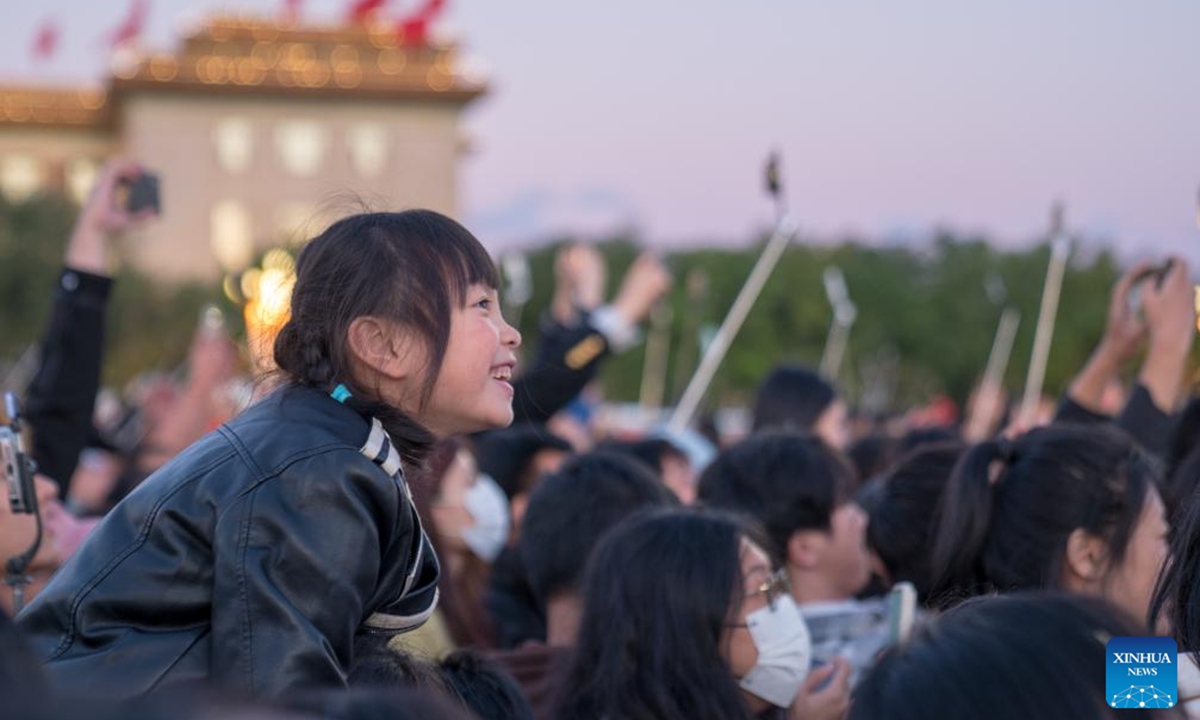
point(62, 396)
point(1148, 424)
point(568, 358)
point(1073, 413)
point(1141, 418)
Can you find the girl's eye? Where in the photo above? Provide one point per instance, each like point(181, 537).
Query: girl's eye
point(485, 303)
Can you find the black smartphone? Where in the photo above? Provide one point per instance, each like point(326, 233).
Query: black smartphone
point(143, 194)
point(1154, 275)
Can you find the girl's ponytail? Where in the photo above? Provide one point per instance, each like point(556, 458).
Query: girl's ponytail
point(965, 519)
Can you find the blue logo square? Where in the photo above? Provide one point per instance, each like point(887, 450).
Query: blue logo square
point(1142, 672)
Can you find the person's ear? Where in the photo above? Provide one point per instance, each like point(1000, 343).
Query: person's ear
point(1085, 560)
point(879, 568)
point(805, 549)
point(382, 346)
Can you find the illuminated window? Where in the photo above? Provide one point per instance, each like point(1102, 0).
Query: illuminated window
point(21, 176)
point(81, 176)
point(301, 146)
point(232, 241)
point(235, 144)
point(367, 143)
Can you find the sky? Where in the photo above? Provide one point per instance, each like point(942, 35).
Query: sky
point(893, 118)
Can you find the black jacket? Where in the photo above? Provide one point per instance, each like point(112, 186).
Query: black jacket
point(251, 560)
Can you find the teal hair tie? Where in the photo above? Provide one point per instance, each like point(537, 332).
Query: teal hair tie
point(340, 393)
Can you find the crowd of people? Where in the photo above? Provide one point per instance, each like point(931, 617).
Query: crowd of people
point(401, 522)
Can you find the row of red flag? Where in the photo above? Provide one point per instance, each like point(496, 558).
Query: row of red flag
point(412, 29)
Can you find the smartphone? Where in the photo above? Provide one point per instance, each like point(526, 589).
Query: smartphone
point(1136, 291)
point(902, 612)
point(143, 194)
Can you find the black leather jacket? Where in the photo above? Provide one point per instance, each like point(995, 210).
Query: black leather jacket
point(251, 560)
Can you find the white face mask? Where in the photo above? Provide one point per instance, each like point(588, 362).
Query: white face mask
point(488, 504)
point(784, 652)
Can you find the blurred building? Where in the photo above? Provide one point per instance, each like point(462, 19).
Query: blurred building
point(261, 133)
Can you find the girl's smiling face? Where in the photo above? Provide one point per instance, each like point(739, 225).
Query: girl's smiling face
point(474, 388)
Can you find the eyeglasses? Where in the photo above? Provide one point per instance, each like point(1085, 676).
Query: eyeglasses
point(773, 588)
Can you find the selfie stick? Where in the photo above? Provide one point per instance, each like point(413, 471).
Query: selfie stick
point(844, 314)
point(654, 370)
point(993, 376)
point(1059, 250)
point(785, 229)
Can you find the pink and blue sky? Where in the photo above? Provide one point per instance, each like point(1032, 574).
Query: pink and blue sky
point(894, 118)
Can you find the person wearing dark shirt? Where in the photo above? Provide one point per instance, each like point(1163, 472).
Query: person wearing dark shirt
point(62, 396)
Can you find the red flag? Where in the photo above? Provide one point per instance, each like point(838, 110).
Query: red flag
point(414, 29)
point(362, 11)
point(291, 11)
point(130, 28)
point(46, 41)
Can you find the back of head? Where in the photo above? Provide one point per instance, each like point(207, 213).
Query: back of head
point(1179, 487)
point(1011, 507)
point(382, 704)
point(572, 509)
point(873, 455)
point(412, 268)
point(649, 451)
point(786, 481)
point(918, 438)
point(1177, 596)
point(1024, 655)
point(657, 598)
point(507, 455)
point(483, 688)
point(904, 514)
point(791, 398)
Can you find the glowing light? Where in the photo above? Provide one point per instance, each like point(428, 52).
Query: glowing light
point(1196, 290)
point(268, 308)
point(439, 81)
point(297, 55)
point(392, 62)
point(124, 64)
point(230, 286)
point(220, 30)
point(349, 79)
point(81, 176)
point(21, 176)
point(266, 32)
point(164, 68)
point(279, 259)
point(249, 284)
point(232, 242)
point(249, 73)
point(383, 36)
point(234, 139)
point(344, 58)
point(92, 99)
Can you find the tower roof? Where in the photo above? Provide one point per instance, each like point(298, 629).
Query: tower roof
point(255, 56)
